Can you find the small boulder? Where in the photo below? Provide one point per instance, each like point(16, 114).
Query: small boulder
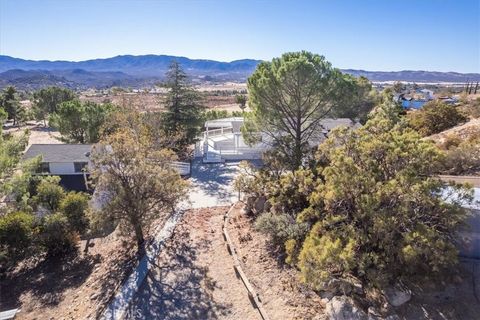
point(343, 308)
point(249, 203)
point(337, 287)
point(373, 314)
point(259, 205)
point(397, 295)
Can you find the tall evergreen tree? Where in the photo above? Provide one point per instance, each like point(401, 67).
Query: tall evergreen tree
point(48, 99)
point(184, 109)
point(9, 102)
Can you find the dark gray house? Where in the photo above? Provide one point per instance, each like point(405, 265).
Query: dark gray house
point(69, 161)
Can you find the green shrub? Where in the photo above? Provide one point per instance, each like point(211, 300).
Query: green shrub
point(472, 108)
point(435, 117)
point(74, 207)
point(463, 159)
point(16, 232)
point(56, 237)
point(381, 217)
point(280, 228)
point(50, 193)
point(451, 141)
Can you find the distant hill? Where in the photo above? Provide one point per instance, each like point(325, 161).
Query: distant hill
point(146, 65)
point(414, 76)
point(137, 71)
point(73, 79)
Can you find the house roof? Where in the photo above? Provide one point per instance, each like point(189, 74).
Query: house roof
point(59, 152)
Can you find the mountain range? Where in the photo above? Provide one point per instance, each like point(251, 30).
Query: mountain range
point(139, 71)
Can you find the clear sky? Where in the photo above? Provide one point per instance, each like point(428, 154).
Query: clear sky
point(434, 35)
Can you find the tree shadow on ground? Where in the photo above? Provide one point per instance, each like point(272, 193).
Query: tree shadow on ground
point(46, 279)
point(178, 288)
point(118, 266)
point(446, 298)
point(215, 178)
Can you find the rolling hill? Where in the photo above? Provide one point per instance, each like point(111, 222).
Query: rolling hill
point(138, 71)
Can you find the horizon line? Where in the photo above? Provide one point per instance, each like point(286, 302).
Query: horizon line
point(221, 61)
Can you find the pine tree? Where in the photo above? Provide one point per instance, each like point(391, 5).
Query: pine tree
point(9, 102)
point(184, 110)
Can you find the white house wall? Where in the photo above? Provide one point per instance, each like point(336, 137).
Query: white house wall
point(62, 168)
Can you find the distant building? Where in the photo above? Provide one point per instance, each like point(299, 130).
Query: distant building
point(425, 94)
point(68, 161)
point(414, 101)
point(448, 99)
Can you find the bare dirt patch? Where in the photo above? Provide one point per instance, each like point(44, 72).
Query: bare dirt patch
point(38, 133)
point(76, 288)
point(281, 293)
point(155, 101)
point(463, 131)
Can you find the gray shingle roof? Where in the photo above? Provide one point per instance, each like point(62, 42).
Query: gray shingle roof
point(59, 152)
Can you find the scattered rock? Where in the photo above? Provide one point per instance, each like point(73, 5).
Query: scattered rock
point(373, 314)
point(336, 287)
point(343, 308)
point(357, 288)
point(94, 295)
point(249, 204)
point(327, 295)
point(259, 204)
point(397, 295)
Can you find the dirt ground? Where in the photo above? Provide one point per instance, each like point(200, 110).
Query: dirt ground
point(463, 131)
point(193, 278)
point(451, 300)
point(154, 101)
point(76, 288)
point(282, 295)
point(37, 131)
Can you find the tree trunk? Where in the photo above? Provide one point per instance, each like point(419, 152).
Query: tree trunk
point(87, 244)
point(298, 140)
point(140, 239)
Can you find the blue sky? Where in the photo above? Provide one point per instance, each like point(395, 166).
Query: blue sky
point(436, 35)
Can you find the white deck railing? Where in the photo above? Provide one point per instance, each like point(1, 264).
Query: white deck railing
point(183, 168)
point(217, 132)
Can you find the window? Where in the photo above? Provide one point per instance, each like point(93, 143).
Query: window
point(44, 168)
point(79, 166)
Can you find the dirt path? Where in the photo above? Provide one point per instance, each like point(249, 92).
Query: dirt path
point(193, 278)
point(282, 295)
